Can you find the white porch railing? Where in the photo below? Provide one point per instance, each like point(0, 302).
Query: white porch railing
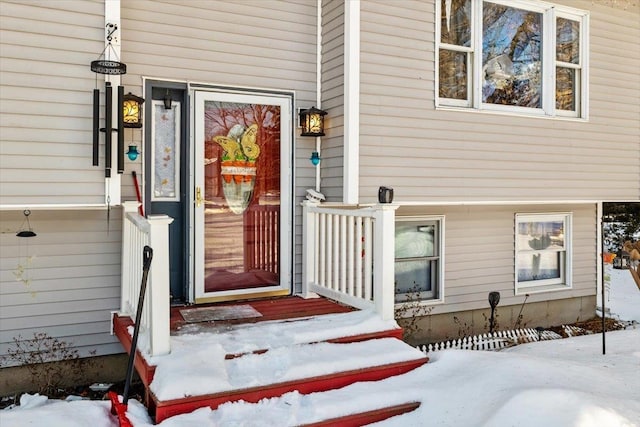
point(138, 231)
point(348, 255)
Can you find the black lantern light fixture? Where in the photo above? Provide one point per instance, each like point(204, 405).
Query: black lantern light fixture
point(312, 122)
point(26, 231)
point(132, 111)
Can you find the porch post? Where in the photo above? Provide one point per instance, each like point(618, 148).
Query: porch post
point(126, 264)
point(309, 239)
point(158, 289)
point(383, 260)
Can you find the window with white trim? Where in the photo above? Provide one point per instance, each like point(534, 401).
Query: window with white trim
point(419, 270)
point(517, 56)
point(543, 252)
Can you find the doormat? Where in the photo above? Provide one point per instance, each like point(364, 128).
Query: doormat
point(228, 312)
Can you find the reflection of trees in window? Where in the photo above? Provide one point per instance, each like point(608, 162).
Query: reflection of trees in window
point(568, 60)
point(220, 117)
point(456, 22)
point(455, 38)
point(453, 74)
point(511, 56)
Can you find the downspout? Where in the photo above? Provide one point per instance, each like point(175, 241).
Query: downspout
point(318, 82)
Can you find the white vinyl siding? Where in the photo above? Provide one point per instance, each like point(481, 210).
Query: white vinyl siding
point(46, 102)
point(480, 253)
point(74, 278)
point(445, 155)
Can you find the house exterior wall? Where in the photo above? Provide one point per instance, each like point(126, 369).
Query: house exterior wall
point(45, 102)
point(64, 282)
point(266, 45)
point(429, 154)
point(479, 251)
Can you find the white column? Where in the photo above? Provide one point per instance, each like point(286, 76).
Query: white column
point(309, 236)
point(383, 261)
point(158, 287)
point(126, 264)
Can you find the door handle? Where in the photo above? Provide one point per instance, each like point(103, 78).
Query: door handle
point(198, 197)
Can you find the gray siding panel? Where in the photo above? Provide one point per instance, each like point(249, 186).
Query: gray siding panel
point(480, 253)
point(45, 99)
point(428, 154)
point(70, 285)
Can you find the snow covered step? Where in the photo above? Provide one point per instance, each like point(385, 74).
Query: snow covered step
point(304, 368)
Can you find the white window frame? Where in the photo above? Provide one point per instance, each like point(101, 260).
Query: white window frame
point(438, 298)
point(564, 282)
point(548, 109)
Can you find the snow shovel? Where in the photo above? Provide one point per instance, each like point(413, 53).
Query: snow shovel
point(120, 408)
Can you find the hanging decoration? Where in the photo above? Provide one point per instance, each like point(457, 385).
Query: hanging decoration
point(26, 231)
point(238, 168)
point(105, 65)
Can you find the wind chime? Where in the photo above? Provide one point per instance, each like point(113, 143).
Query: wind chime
point(22, 271)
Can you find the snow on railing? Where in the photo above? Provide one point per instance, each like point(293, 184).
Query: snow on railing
point(138, 231)
point(348, 255)
point(492, 341)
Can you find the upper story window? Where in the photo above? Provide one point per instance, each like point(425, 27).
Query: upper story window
point(517, 56)
point(543, 252)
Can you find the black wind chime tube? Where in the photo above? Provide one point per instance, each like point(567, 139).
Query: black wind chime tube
point(120, 130)
point(96, 126)
point(107, 129)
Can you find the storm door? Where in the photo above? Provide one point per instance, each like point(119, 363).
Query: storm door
point(242, 195)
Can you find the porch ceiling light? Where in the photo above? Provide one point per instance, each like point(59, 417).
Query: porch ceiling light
point(132, 111)
point(167, 100)
point(312, 122)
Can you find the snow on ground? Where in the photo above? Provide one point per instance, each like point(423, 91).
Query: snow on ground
point(551, 383)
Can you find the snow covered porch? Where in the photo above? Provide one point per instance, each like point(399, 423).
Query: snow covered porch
point(271, 346)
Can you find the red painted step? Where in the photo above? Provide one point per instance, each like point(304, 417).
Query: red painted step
point(369, 417)
point(170, 408)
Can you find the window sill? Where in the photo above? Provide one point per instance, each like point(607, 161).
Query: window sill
point(542, 288)
point(510, 113)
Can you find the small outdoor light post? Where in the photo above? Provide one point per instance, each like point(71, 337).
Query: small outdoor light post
point(494, 299)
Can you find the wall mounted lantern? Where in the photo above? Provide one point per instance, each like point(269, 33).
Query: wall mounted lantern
point(312, 122)
point(133, 153)
point(132, 111)
point(28, 231)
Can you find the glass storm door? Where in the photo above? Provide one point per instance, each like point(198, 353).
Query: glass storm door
point(243, 204)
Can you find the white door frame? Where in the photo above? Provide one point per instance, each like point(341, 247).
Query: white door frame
point(285, 102)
